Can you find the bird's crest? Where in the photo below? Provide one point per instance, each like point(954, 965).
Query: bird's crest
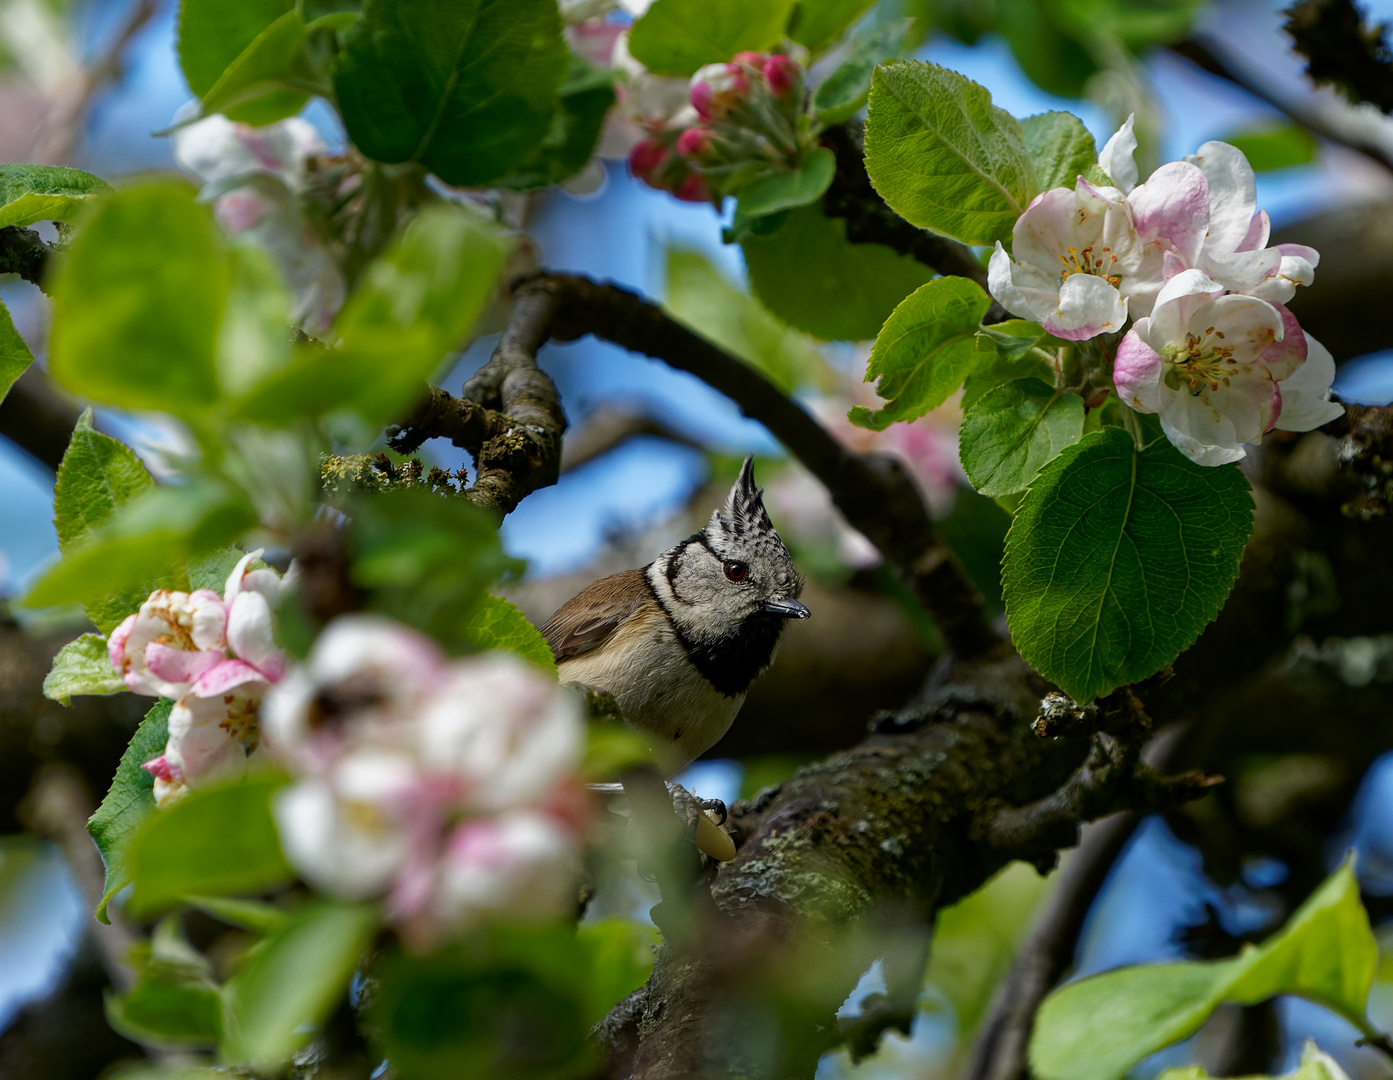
point(743, 516)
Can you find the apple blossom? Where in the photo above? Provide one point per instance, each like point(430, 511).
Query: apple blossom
point(255, 178)
point(1201, 213)
point(523, 865)
point(1213, 364)
point(215, 656)
point(447, 788)
point(1071, 249)
point(173, 639)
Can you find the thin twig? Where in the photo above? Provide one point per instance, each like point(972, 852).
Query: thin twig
point(1201, 54)
point(1047, 952)
point(64, 121)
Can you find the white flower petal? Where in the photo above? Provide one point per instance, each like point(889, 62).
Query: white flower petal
point(1306, 403)
point(1116, 158)
point(1233, 195)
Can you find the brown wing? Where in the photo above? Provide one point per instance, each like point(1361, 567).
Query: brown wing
point(592, 615)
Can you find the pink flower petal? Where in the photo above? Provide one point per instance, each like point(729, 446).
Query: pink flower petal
point(116, 644)
point(179, 665)
point(1172, 207)
point(1136, 370)
point(1285, 356)
point(224, 678)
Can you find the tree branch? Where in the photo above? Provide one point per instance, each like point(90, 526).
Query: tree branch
point(905, 822)
point(1342, 51)
point(1047, 953)
point(874, 494)
point(24, 252)
point(37, 418)
point(1320, 121)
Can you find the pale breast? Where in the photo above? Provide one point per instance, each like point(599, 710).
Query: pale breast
point(660, 691)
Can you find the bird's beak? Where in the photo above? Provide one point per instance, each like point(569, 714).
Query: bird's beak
point(786, 609)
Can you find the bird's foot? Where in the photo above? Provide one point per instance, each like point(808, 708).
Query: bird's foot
point(702, 819)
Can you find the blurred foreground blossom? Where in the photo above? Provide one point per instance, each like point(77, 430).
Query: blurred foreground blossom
point(215, 656)
point(449, 788)
point(256, 177)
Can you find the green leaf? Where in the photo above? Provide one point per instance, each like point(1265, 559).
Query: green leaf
point(1314, 1065)
point(1012, 339)
point(1099, 1027)
point(214, 33)
point(1014, 431)
point(1061, 149)
point(817, 23)
point(468, 89)
point(30, 193)
point(412, 305)
point(291, 981)
point(150, 539)
point(253, 87)
point(250, 915)
point(586, 98)
point(844, 92)
point(211, 571)
point(811, 277)
point(925, 351)
point(137, 301)
point(976, 531)
point(1052, 55)
point(675, 37)
point(620, 953)
point(129, 800)
point(429, 559)
point(785, 190)
point(440, 1015)
point(1276, 146)
point(942, 155)
point(174, 1001)
point(1011, 346)
point(498, 624)
point(699, 296)
point(82, 667)
point(98, 475)
point(1118, 558)
point(15, 356)
point(214, 841)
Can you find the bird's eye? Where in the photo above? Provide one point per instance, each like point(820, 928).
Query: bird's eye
point(736, 570)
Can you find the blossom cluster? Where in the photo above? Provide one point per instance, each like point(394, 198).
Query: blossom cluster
point(215, 657)
point(258, 179)
point(1212, 348)
point(448, 788)
point(743, 119)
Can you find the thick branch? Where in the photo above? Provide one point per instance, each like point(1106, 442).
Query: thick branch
point(24, 252)
point(37, 418)
point(1342, 51)
point(510, 418)
point(905, 822)
point(875, 495)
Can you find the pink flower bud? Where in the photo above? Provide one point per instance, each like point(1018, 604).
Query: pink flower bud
point(781, 74)
point(160, 769)
point(694, 142)
point(748, 59)
point(646, 159)
point(717, 88)
point(694, 189)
